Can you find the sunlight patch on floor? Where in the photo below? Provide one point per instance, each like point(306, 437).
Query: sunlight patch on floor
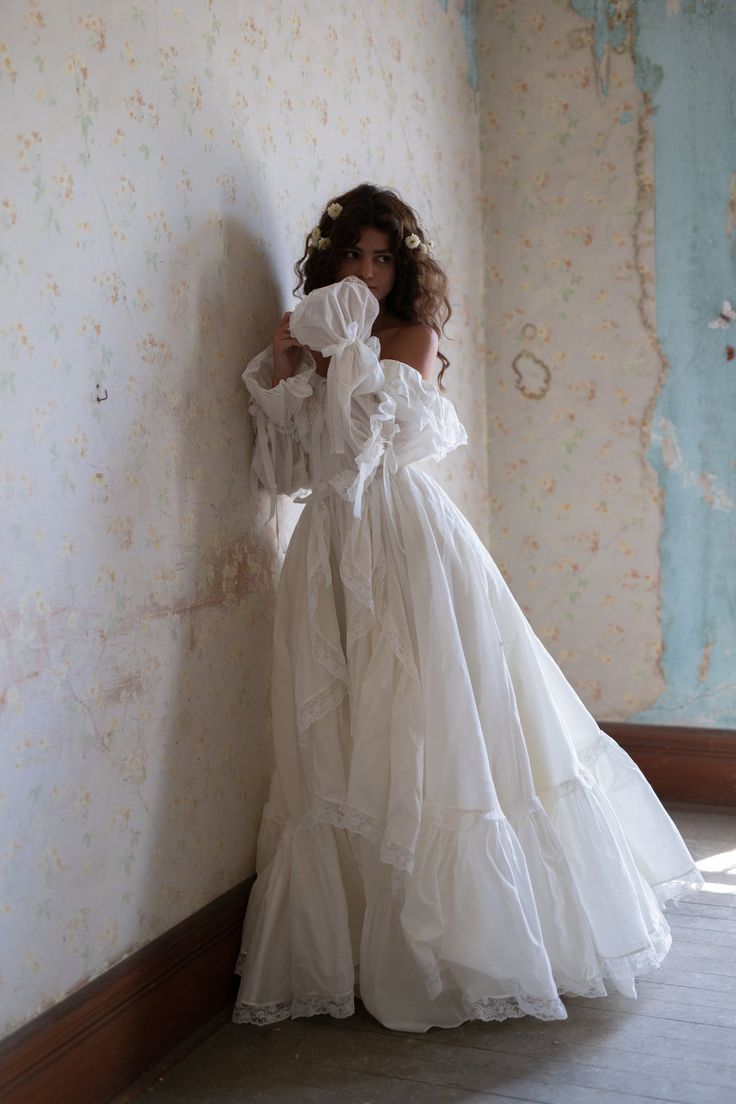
point(722, 863)
point(714, 868)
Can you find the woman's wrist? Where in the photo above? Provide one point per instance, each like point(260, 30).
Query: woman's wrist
point(283, 368)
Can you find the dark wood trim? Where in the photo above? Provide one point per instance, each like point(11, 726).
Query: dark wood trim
point(117, 1028)
point(682, 764)
point(93, 1044)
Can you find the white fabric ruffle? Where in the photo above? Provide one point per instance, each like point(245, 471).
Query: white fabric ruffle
point(449, 835)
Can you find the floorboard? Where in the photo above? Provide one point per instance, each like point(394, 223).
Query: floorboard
point(675, 1044)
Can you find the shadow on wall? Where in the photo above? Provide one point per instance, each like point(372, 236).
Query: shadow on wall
point(214, 750)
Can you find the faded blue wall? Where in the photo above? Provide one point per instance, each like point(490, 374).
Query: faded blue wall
point(694, 434)
point(685, 59)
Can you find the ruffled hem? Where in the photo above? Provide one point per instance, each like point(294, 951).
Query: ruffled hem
point(340, 1007)
point(485, 1009)
point(531, 891)
point(672, 891)
point(656, 845)
point(624, 970)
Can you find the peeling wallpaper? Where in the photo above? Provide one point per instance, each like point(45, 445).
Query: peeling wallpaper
point(163, 165)
point(611, 451)
point(574, 364)
point(685, 55)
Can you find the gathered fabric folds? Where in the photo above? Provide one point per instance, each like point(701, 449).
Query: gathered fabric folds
point(448, 835)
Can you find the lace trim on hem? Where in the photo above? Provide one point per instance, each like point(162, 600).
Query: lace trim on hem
point(495, 1009)
point(672, 891)
point(483, 1008)
point(624, 969)
point(314, 1004)
point(514, 1004)
point(486, 1009)
point(590, 988)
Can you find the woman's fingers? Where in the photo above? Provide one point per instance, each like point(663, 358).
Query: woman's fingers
point(282, 335)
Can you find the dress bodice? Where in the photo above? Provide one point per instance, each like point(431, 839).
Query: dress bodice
point(367, 413)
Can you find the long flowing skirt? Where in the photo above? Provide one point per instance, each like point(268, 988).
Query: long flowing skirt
point(449, 835)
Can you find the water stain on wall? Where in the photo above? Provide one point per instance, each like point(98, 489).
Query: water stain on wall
point(683, 432)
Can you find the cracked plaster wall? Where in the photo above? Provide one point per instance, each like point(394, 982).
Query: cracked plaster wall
point(163, 165)
point(684, 55)
point(610, 453)
point(573, 361)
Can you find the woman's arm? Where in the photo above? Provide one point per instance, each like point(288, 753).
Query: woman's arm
point(287, 352)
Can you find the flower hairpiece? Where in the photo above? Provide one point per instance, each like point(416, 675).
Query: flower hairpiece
point(317, 241)
point(334, 210)
point(413, 241)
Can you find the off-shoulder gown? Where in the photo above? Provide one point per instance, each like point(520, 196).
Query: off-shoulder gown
point(449, 835)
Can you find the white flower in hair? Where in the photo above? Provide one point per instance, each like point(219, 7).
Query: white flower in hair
point(315, 236)
point(412, 241)
point(334, 210)
point(323, 243)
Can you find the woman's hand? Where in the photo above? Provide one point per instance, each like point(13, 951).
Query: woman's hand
point(287, 352)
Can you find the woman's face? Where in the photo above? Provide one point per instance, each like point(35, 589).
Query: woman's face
point(371, 259)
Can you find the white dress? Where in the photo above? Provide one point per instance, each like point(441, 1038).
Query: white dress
point(449, 835)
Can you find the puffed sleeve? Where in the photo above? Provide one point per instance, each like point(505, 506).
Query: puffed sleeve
point(281, 417)
point(430, 427)
point(378, 411)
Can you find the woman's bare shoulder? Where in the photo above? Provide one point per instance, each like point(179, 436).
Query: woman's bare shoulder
point(414, 343)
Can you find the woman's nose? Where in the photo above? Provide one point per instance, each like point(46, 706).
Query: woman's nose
point(366, 268)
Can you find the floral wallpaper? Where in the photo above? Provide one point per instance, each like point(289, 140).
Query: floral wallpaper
point(162, 164)
point(573, 359)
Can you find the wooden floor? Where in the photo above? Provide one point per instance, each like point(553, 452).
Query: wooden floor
point(677, 1042)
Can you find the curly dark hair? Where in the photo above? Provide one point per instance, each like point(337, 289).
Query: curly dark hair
point(419, 294)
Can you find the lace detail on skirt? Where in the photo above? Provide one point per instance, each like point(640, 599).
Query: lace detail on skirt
point(624, 969)
point(400, 648)
point(516, 1003)
point(589, 987)
point(318, 707)
point(361, 823)
point(670, 892)
point(312, 1005)
point(327, 655)
point(570, 785)
point(590, 755)
point(457, 820)
point(511, 1008)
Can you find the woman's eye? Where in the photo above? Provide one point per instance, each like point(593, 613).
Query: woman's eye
point(386, 258)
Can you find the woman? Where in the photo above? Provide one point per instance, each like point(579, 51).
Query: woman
point(449, 835)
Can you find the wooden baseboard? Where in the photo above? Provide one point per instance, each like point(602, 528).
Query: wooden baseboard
point(95, 1043)
point(682, 764)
